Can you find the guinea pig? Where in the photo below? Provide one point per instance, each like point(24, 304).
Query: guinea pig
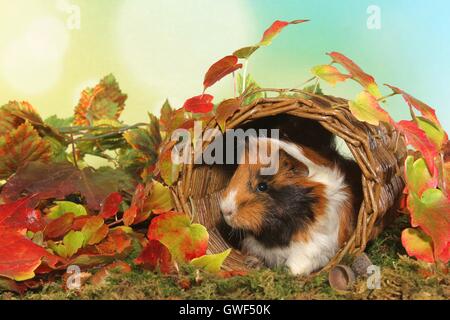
point(299, 216)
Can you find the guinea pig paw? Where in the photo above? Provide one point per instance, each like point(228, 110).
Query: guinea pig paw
point(253, 262)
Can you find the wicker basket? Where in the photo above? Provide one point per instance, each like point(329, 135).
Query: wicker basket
point(379, 151)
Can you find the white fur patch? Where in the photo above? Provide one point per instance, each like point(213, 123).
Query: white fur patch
point(228, 205)
point(305, 257)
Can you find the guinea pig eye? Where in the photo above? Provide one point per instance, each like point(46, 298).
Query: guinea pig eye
point(262, 186)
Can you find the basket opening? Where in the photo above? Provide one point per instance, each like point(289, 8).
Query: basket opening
point(210, 180)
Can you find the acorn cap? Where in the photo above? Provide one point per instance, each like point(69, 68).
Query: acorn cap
point(360, 264)
point(341, 277)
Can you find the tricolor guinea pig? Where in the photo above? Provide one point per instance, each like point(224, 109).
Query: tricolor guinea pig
point(299, 216)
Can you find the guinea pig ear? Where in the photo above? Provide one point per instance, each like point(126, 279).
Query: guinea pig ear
point(289, 163)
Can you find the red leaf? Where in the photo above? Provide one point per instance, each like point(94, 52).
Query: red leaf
point(110, 205)
point(427, 111)
point(417, 138)
point(220, 69)
point(21, 215)
point(20, 257)
point(59, 227)
point(153, 255)
point(199, 104)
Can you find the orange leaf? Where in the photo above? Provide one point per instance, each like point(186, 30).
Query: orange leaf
point(275, 29)
point(329, 73)
point(366, 80)
point(130, 215)
point(226, 109)
point(220, 69)
point(418, 244)
point(104, 101)
point(20, 146)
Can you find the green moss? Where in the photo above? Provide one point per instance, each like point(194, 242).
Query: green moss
point(401, 277)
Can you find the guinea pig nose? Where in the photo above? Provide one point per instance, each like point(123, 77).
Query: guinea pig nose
point(228, 203)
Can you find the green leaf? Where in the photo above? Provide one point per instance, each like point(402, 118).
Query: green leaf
point(435, 134)
point(63, 207)
point(56, 122)
point(245, 53)
point(418, 177)
point(211, 263)
point(160, 199)
point(72, 242)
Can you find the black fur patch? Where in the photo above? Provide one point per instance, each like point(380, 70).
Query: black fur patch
point(290, 209)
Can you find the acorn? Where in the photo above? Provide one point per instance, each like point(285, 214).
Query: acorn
point(360, 264)
point(341, 277)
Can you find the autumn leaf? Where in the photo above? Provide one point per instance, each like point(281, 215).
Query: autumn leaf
point(199, 104)
point(159, 200)
point(155, 255)
point(20, 146)
point(212, 262)
point(129, 216)
point(418, 244)
point(20, 257)
point(246, 52)
point(58, 180)
point(171, 119)
point(21, 215)
point(220, 69)
point(431, 212)
point(366, 108)
point(63, 207)
point(275, 29)
point(185, 240)
point(104, 101)
point(417, 138)
point(427, 111)
point(435, 133)
point(101, 276)
point(15, 113)
point(169, 170)
point(367, 81)
point(418, 177)
point(225, 110)
point(329, 73)
point(70, 245)
point(111, 205)
point(59, 227)
point(94, 231)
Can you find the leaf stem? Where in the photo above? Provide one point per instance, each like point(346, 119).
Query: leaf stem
point(244, 76)
point(388, 96)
